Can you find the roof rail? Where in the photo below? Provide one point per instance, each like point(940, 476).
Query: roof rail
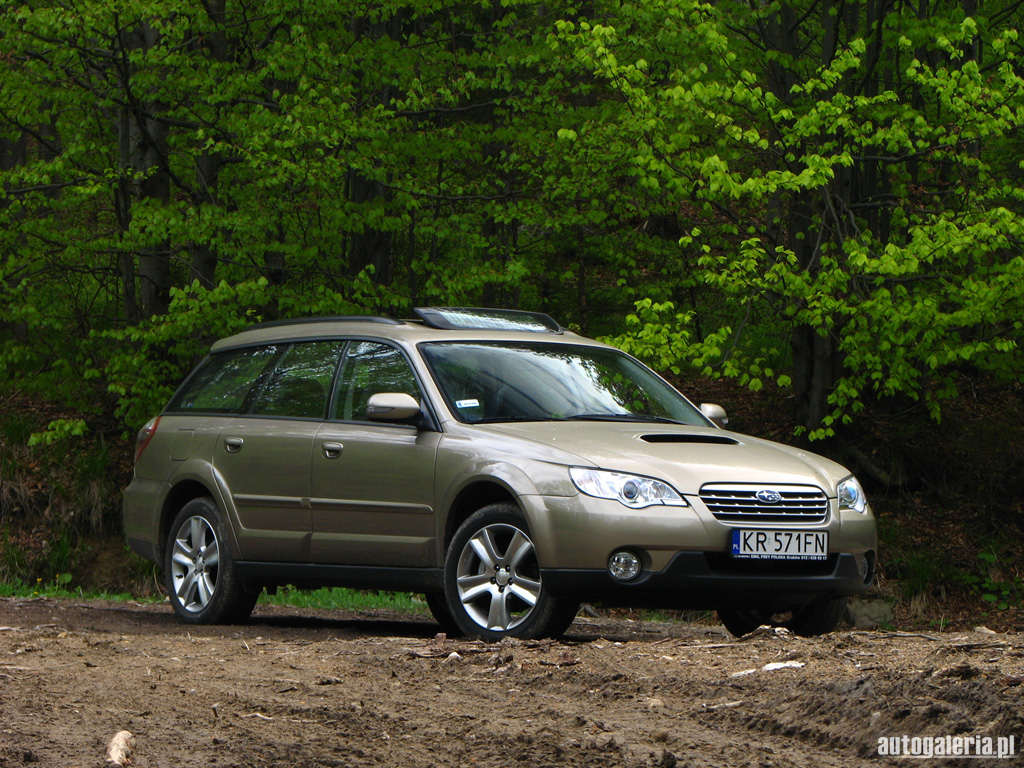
point(329, 319)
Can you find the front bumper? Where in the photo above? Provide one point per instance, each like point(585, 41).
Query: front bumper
point(684, 551)
point(699, 580)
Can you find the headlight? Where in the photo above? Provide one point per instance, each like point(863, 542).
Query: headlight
point(851, 495)
point(635, 491)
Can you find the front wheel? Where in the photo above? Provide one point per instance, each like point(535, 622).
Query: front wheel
point(199, 570)
point(493, 581)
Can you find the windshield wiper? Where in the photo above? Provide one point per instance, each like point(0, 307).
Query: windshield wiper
point(619, 417)
point(505, 420)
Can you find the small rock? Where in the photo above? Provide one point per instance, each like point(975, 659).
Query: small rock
point(869, 613)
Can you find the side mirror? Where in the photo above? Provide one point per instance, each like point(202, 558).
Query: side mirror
point(716, 413)
point(392, 406)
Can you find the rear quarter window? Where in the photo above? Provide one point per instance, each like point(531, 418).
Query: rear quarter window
point(222, 382)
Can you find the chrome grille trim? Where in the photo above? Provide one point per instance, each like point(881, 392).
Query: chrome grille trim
point(738, 503)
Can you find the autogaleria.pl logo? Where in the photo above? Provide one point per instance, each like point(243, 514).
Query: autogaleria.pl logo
point(997, 747)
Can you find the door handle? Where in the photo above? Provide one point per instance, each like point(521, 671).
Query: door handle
point(332, 450)
point(233, 444)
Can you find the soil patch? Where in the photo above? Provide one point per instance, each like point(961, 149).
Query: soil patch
point(303, 688)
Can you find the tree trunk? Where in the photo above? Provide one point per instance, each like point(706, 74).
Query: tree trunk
point(147, 161)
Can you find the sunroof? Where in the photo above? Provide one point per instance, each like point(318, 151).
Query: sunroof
point(471, 318)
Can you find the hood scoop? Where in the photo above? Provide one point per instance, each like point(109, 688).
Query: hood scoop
point(698, 439)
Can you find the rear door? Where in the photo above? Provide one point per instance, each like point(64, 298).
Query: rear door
point(264, 456)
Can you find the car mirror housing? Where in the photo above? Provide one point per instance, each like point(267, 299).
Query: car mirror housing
point(392, 406)
point(716, 413)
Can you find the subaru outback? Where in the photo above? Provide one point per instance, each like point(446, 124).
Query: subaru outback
point(494, 461)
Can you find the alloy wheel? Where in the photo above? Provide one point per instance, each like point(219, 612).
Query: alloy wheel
point(195, 564)
point(497, 577)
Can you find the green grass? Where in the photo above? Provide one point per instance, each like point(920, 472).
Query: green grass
point(346, 600)
point(328, 599)
point(59, 589)
point(317, 599)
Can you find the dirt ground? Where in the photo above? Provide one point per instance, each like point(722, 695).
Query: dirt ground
point(303, 688)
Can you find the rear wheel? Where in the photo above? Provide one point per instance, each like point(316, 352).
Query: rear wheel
point(743, 621)
point(819, 617)
point(199, 569)
point(493, 581)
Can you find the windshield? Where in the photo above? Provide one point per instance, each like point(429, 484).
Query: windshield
point(505, 381)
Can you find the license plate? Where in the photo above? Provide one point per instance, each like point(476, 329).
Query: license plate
point(779, 545)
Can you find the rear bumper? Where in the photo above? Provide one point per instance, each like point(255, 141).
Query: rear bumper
point(699, 580)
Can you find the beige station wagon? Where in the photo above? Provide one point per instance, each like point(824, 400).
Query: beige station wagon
point(492, 460)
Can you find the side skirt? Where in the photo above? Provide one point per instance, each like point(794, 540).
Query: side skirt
point(351, 576)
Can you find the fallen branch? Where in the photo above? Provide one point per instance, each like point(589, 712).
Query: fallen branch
point(888, 635)
point(259, 715)
point(976, 646)
point(726, 705)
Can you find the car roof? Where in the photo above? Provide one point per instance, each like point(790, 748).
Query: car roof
point(423, 328)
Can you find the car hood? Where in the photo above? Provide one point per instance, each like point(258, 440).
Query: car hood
point(687, 457)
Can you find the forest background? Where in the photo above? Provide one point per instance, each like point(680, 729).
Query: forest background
point(809, 210)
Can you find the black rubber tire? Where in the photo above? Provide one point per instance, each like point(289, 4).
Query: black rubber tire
point(442, 614)
point(504, 526)
point(743, 621)
point(201, 592)
point(818, 617)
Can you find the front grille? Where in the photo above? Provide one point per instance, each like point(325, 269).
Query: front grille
point(739, 503)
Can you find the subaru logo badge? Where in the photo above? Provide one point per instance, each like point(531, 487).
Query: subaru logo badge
point(768, 496)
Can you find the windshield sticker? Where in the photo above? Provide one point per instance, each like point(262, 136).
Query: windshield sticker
point(467, 403)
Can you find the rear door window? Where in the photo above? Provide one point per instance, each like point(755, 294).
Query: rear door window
point(299, 386)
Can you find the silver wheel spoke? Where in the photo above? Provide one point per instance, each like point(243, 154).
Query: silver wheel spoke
point(181, 555)
point(526, 590)
point(211, 555)
point(498, 616)
point(204, 589)
point(187, 582)
point(471, 587)
point(519, 548)
point(483, 545)
point(198, 535)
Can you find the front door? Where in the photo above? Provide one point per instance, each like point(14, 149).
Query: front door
point(373, 483)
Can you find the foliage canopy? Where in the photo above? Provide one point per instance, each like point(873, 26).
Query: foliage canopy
point(827, 195)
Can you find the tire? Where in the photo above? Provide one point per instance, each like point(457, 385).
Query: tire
point(743, 621)
point(442, 615)
point(818, 617)
point(199, 569)
point(493, 582)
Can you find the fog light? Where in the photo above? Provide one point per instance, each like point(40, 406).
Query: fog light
point(624, 566)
